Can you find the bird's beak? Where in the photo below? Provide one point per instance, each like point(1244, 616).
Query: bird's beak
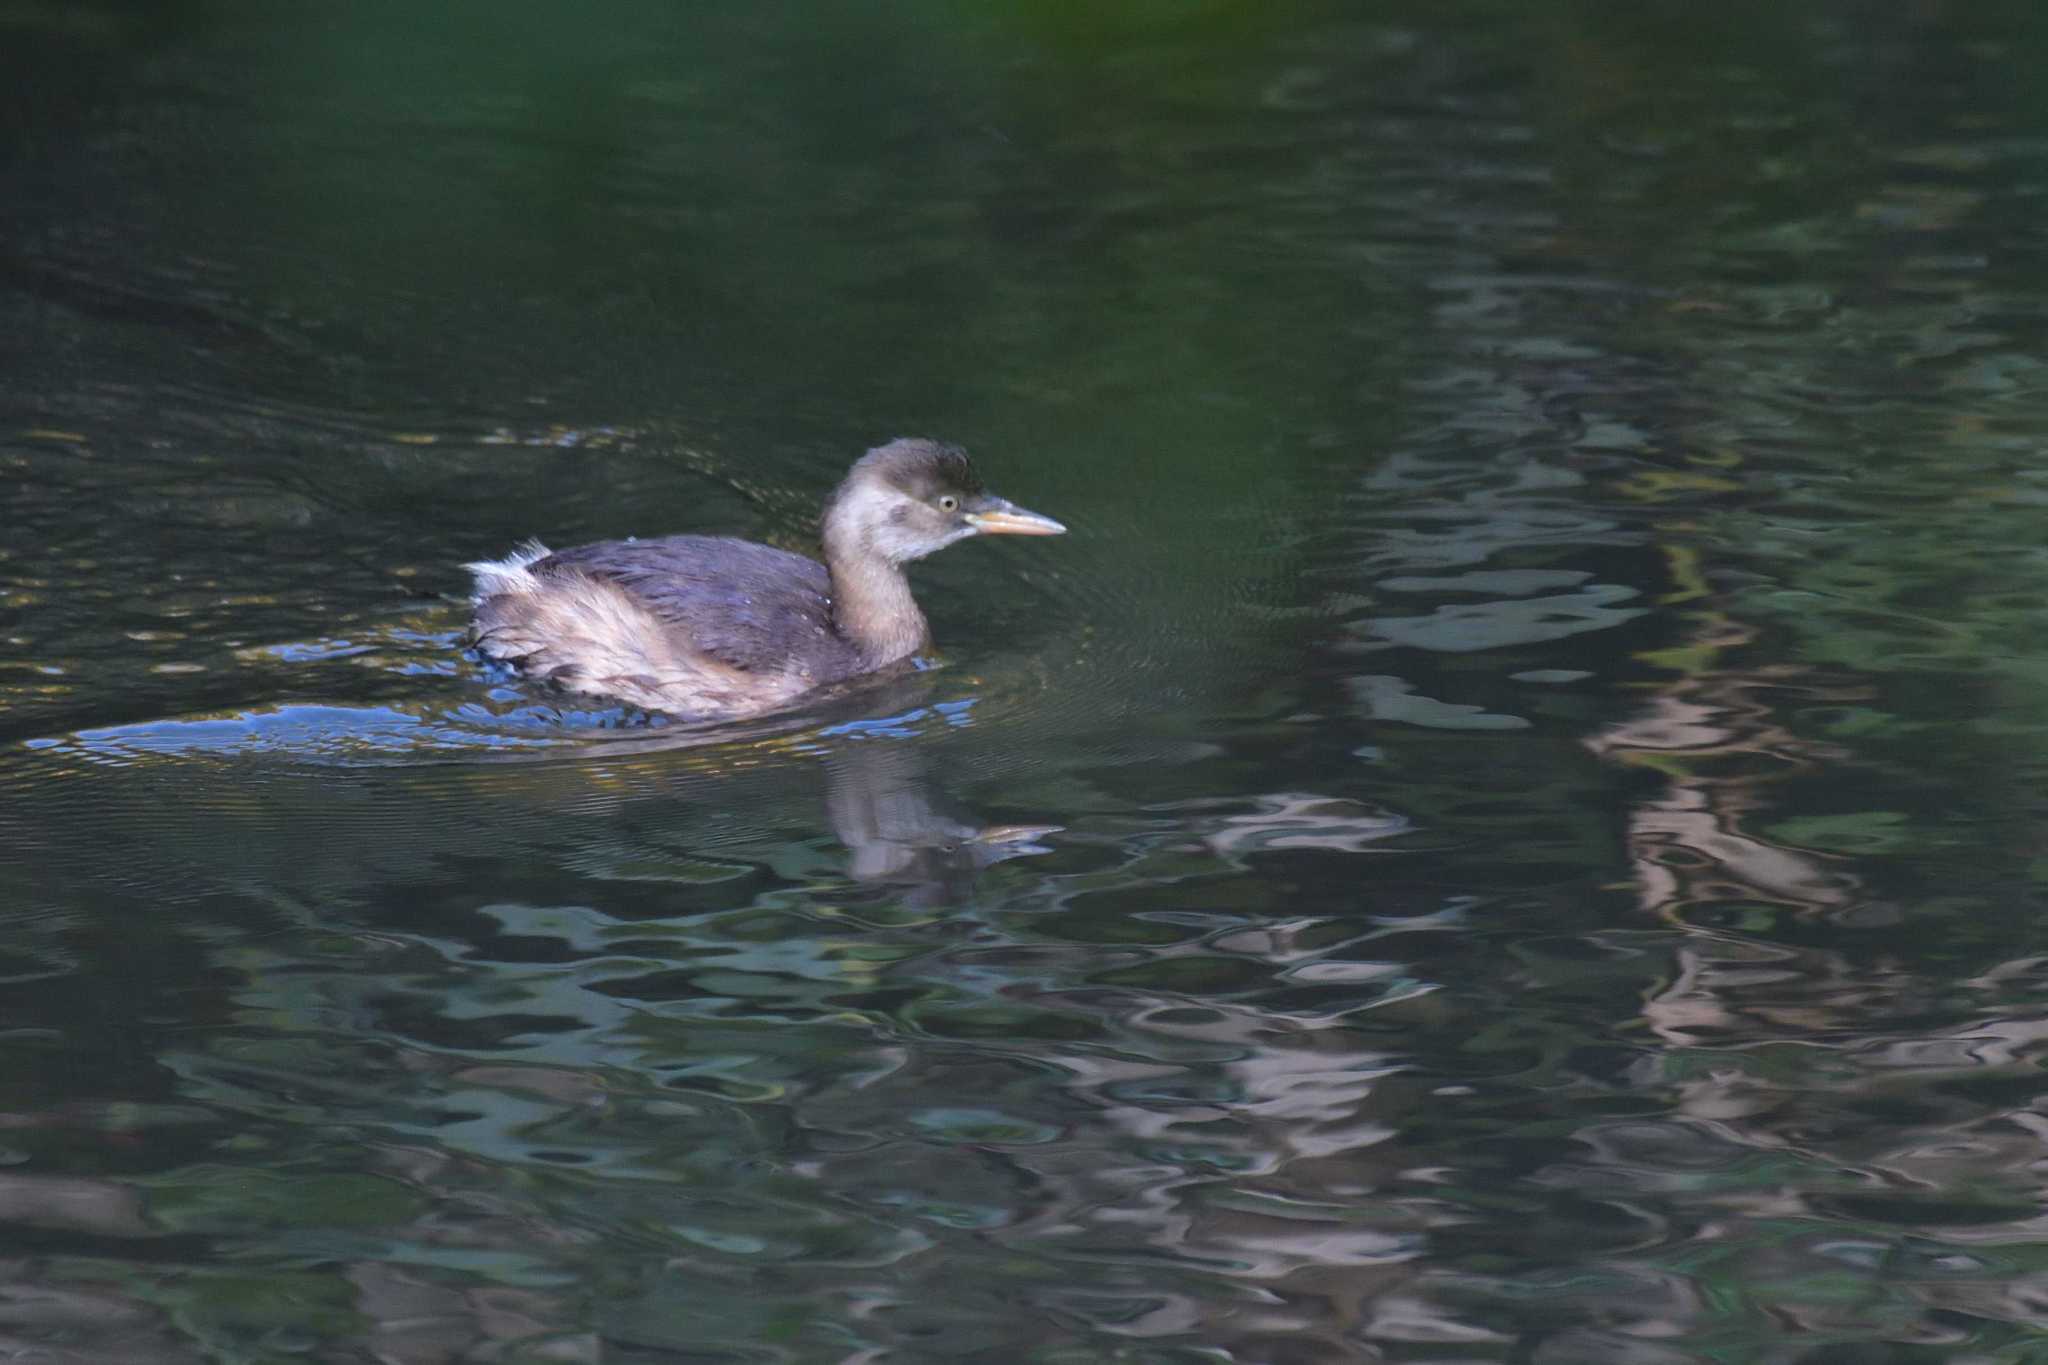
point(994, 516)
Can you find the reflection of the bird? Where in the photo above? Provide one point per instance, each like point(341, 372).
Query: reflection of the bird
point(902, 832)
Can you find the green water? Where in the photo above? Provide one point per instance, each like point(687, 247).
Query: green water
point(1511, 830)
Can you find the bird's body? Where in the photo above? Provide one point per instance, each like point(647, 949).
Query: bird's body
point(713, 628)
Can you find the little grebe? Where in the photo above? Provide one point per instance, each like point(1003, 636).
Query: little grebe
point(712, 628)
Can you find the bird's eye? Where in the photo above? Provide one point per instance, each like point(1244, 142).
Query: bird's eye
point(949, 503)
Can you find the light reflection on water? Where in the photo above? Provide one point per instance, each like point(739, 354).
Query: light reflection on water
point(1509, 832)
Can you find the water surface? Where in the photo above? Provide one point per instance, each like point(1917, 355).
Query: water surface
point(1510, 830)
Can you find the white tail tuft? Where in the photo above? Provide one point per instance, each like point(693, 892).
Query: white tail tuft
point(498, 576)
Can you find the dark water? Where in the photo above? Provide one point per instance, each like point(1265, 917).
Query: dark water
point(1513, 830)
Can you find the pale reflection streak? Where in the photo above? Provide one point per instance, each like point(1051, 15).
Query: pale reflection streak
point(1254, 1149)
point(1688, 845)
point(85, 1322)
point(1940, 1194)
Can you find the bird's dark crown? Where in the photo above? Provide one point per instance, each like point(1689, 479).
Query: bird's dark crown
point(920, 467)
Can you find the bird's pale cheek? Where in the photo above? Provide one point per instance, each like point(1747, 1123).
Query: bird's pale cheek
point(897, 543)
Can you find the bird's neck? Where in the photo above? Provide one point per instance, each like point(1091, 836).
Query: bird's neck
point(872, 605)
